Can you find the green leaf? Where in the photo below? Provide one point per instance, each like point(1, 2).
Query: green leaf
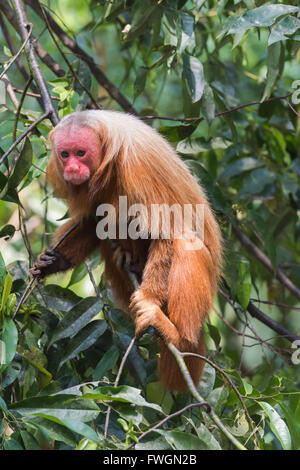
point(277, 425)
point(106, 363)
point(22, 166)
point(9, 342)
point(244, 283)
point(182, 440)
point(238, 167)
point(194, 76)
point(75, 426)
point(60, 298)
point(60, 406)
point(7, 232)
point(3, 406)
point(263, 16)
point(208, 106)
point(208, 438)
point(122, 393)
point(275, 64)
point(77, 318)
point(6, 291)
point(284, 28)
point(198, 145)
point(56, 431)
point(140, 81)
point(86, 337)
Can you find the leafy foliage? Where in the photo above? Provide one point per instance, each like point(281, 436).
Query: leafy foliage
point(195, 64)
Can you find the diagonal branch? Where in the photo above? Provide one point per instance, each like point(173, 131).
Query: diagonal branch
point(33, 63)
point(255, 251)
point(18, 53)
point(76, 49)
point(40, 50)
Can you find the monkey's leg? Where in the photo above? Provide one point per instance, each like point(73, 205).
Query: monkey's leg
point(74, 249)
point(146, 302)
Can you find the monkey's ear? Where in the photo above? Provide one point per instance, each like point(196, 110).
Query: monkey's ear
point(51, 137)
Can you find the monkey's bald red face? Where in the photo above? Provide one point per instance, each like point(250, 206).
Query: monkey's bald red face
point(79, 150)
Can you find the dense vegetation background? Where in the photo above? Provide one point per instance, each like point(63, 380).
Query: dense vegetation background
point(218, 79)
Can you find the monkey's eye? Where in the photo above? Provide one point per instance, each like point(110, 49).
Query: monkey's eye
point(64, 154)
point(80, 153)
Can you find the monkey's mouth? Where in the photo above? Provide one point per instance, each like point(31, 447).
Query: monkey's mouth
point(76, 179)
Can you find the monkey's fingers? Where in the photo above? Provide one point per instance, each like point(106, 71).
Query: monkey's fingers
point(45, 257)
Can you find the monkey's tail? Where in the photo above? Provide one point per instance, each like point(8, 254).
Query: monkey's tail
point(192, 282)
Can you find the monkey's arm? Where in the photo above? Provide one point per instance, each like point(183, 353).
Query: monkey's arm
point(74, 249)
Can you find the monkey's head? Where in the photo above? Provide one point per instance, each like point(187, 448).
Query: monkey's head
point(78, 149)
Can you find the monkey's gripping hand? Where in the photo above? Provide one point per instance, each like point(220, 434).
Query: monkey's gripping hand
point(49, 262)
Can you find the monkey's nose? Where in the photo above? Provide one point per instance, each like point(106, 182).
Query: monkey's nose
point(73, 165)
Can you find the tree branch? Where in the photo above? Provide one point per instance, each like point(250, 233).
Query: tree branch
point(23, 135)
point(18, 53)
point(40, 50)
point(94, 68)
point(255, 251)
point(265, 319)
point(33, 64)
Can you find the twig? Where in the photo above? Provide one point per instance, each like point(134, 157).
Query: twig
point(275, 304)
point(10, 91)
point(163, 421)
point(94, 68)
point(184, 370)
point(32, 281)
point(222, 113)
point(124, 359)
point(33, 64)
point(252, 248)
point(20, 107)
point(23, 135)
point(232, 384)
point(13, 50)
point(95, 105)
point(40, 50)
point(34, 95)
point(18, 53)
point(257, 313)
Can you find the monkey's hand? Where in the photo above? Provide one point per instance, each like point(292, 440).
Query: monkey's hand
point(148, 313)
point(49, 262)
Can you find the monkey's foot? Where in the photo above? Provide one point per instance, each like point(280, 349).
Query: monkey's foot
point(148, 313)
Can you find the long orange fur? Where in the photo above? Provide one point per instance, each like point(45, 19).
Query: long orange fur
point(178, 285)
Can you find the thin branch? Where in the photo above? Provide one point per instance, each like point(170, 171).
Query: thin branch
point(124, 359)
point(33, 64)
point(13, 50)
point(231, 383)
point(276, 304)
point(255, 251)
point(222, 113)
point(184, 370)
point(257, 313)
point(95, 105)
point(163, 421)
point(20, 107)
point(40, 50)
point(23, 135)
point(33, 279)
point(19, 51)
point(94, 68)
point(10, 91)
point(34, 95)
